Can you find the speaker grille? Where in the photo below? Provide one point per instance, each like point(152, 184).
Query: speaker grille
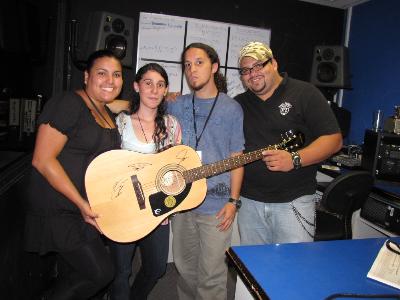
point(117, 44)
point(330, 67)
point(374, 211)
point(327, 72)
point(110, 31)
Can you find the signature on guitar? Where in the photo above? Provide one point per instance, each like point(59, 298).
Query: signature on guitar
point(133, 192)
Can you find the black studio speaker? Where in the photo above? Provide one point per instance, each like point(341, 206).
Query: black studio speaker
point(330, 67)
point(110, 31)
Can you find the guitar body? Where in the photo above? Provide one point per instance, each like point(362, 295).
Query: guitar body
point(133, 193)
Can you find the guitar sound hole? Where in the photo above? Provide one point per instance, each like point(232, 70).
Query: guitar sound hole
point(171, 182)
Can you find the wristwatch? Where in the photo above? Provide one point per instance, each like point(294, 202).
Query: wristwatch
point(238, 203)
point(296, 159)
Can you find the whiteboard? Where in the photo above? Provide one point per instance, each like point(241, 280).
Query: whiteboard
point(241, 35)
point(235, 86)
point(210, 33)
point(162, 38)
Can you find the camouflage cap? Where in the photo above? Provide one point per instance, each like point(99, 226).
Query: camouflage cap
point(256, 50)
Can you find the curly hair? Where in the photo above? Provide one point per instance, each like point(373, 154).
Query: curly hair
point(160, 131)
point(219, 78)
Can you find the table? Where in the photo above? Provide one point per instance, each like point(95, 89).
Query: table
point(309, 271)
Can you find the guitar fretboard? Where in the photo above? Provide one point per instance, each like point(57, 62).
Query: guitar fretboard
point(225, 165)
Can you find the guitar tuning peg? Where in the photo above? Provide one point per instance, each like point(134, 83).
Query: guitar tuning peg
point(289, 134)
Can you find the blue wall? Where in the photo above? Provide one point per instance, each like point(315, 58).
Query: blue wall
point(374, 64)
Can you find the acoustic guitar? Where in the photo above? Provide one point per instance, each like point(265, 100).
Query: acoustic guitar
point(133, 193)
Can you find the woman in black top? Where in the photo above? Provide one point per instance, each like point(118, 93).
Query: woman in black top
point(73, 128)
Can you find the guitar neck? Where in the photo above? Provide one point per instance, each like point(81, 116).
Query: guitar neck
point(224, 165)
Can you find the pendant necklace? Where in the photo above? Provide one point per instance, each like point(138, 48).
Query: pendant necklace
point(141, 127)
point(97, 110)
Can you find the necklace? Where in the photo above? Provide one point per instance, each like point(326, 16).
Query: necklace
point(141, 127)
point(97, 110)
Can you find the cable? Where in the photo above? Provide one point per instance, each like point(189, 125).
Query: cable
point(365, 296)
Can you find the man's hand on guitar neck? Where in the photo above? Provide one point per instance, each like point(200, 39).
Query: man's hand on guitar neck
point(278, 160)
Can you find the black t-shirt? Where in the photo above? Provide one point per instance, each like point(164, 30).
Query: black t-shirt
point(297, 106)
point(53, 222)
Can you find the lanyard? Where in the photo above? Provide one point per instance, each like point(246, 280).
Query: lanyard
point(205, 124)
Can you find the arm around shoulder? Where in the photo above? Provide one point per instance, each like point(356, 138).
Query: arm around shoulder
point(174, 129)
point(118, 105)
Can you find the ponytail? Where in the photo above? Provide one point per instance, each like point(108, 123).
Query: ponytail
point(220, 82)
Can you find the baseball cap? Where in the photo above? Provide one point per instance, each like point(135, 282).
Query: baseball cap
point(256, 50)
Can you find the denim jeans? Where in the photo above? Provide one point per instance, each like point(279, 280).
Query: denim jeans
point(270, 223)
point(154, 256)
point(199, 255)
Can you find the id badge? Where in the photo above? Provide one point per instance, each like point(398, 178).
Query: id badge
point(199, 153)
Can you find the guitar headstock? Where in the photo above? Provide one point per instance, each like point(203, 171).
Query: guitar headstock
point(291, 141)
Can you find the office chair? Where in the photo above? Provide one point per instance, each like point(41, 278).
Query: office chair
point(344, 195)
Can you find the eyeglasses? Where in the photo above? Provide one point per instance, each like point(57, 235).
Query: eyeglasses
point(255, 68)
point(148, 83)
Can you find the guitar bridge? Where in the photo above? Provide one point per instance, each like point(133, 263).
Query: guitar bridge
point(138, 191)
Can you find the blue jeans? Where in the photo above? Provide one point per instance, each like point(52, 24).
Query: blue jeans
point(270, 223)
point(154, 256)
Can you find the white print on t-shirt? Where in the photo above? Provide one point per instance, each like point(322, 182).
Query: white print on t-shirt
point(284, 108)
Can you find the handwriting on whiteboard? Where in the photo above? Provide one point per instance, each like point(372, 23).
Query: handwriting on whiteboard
point(162, 39)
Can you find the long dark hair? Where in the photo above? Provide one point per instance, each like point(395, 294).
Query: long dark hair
point(219, 79)
point(159, 134)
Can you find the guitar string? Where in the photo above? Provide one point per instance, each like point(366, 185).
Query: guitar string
point(171, 170)
point(209, 169)
point(150, 185)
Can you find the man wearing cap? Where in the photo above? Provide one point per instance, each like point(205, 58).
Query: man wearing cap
point(278, 192)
